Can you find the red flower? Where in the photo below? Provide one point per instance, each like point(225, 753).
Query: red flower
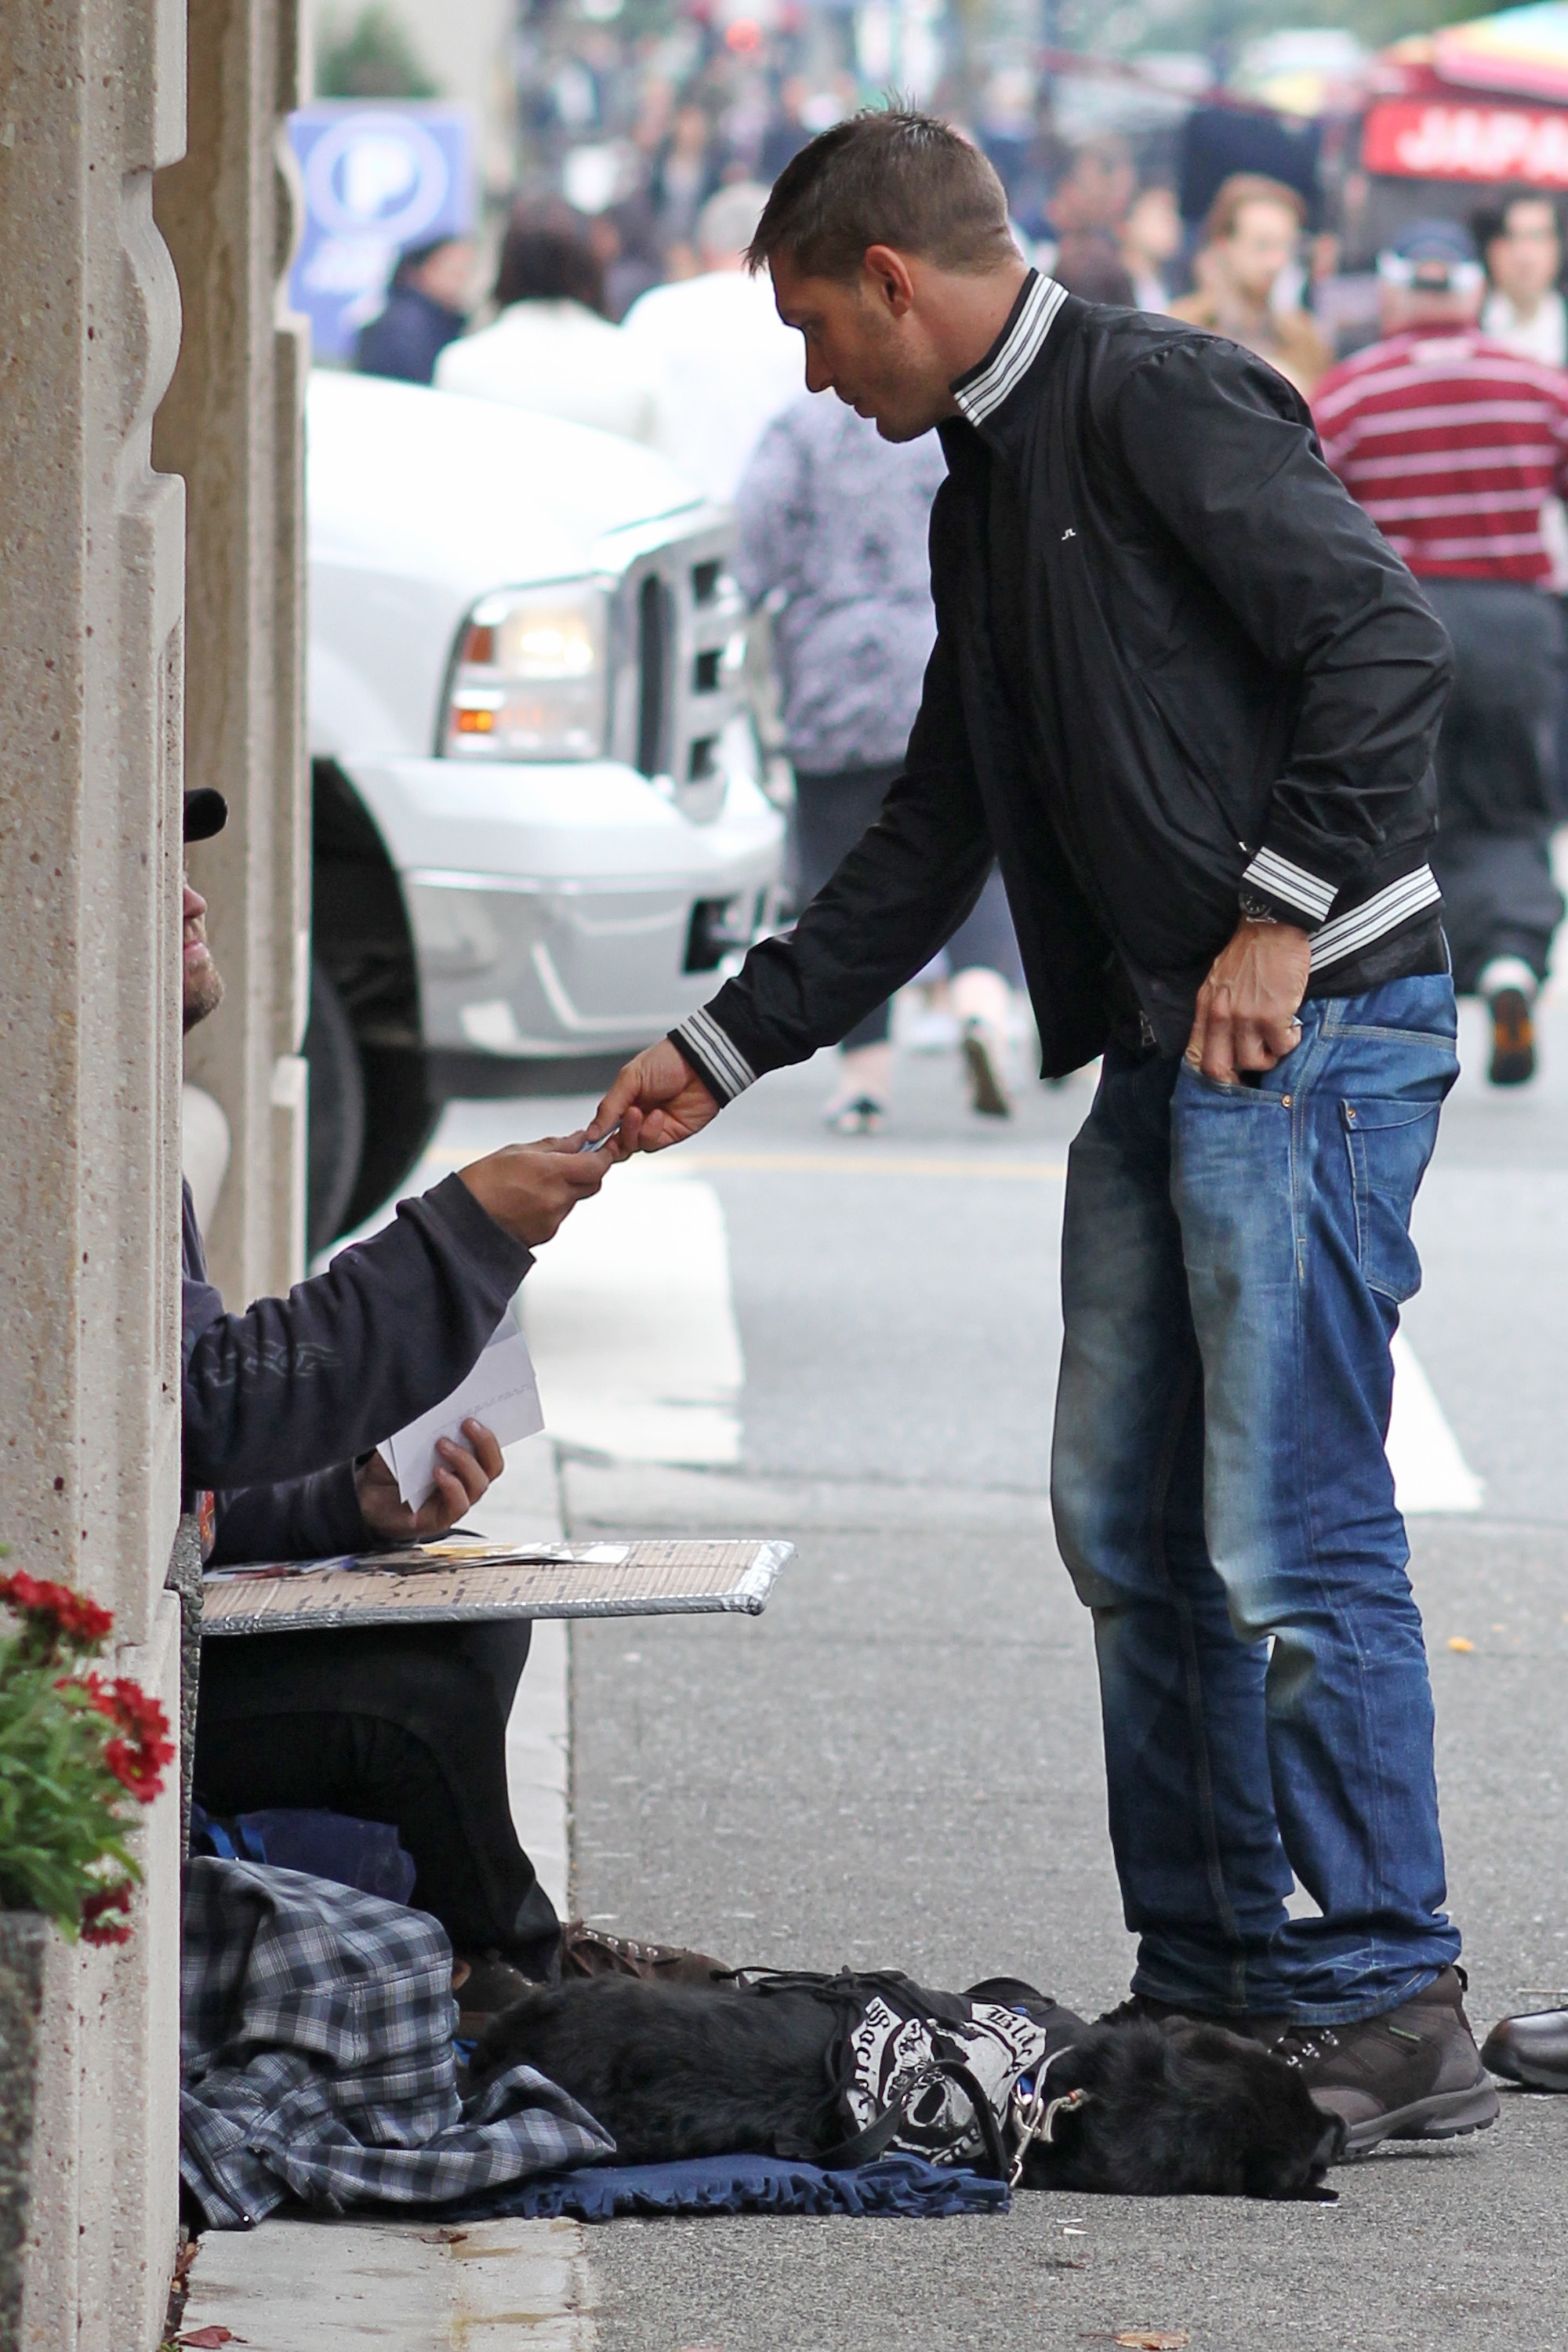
point(137, 1762)
point(106, 1915)
point(80, 1621)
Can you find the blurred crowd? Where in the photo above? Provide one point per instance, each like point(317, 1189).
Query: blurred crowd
point(633, 311)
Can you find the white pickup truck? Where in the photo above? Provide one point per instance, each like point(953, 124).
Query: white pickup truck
point(540, 825)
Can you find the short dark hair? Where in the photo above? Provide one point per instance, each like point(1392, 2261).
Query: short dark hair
point(545, 257)
point(885, 176)
point(1491, 221)
point(413, 257)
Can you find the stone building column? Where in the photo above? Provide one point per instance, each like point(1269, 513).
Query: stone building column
point(92, 561)
point(231, 425)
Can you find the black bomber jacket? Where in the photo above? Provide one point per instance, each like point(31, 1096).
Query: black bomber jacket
point(1236, 688)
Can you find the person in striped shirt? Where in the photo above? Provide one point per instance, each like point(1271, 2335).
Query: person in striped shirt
point(1455, 445)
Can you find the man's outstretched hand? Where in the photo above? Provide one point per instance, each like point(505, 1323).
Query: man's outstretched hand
point(531, 1188)
point(1246, 1017)
point(658, 1099)
point(463, 1474)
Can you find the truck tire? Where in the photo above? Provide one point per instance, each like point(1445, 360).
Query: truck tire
point(335, 1138)
point(364, 951)
point(399, 1121)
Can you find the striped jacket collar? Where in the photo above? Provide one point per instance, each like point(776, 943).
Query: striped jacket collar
point(982, 391)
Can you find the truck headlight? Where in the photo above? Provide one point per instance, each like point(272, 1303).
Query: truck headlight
point(529, 680)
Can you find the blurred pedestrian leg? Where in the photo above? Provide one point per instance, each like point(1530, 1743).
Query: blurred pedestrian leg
point(1495, 764)
point(831, 812)
point(982, 957)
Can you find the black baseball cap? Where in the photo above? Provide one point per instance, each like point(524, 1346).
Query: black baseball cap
point(206, 813)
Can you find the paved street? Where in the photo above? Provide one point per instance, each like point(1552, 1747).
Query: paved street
point(900, 1763)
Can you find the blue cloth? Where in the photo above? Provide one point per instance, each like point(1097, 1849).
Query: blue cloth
point(311, 1839)
point(1234, 1257)
point(741, 2184)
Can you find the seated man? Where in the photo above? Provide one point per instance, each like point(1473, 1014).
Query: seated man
point(282, 1408)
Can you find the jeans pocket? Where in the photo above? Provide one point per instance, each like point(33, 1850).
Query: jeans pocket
point(1389, 1145)
point(1224, 1089)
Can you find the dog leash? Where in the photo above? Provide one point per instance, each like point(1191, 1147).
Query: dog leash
point(1035, 2119)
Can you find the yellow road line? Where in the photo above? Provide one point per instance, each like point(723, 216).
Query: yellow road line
point(829, 1163)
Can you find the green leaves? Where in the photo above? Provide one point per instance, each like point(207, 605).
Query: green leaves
point(59, 1804)
point(72, 1748)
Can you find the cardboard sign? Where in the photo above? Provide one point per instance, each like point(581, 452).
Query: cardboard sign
point(462, 1577)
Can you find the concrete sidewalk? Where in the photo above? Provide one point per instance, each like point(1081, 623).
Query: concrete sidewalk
point(899, 1766)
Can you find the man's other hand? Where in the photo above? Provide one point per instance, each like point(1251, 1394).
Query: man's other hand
point(531, 1188)
point(1246, 1008)
point(661, 1091)
point(463, 1474)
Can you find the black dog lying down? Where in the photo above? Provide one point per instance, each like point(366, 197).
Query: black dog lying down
point(763, 2068)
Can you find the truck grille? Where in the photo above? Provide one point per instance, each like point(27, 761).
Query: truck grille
point(654, 675)
point(683, 620)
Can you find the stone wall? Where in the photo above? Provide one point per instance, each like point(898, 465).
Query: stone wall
point(231, 425)
point(94, 658)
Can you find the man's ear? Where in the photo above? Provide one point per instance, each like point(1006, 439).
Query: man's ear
point(888, 280)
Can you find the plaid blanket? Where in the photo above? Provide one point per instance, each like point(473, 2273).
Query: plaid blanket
point(316, 2058)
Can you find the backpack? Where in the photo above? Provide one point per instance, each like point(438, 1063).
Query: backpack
point(955, 2078)
point(367, 1855)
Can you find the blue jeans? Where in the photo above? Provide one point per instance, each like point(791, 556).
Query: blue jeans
point(1233, 1261)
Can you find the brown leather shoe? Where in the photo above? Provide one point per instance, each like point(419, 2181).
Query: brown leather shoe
point(485, 1985)
point(1252, 2028)
point(589, 1952)
point(1531, 2050)
point(1413, 2072)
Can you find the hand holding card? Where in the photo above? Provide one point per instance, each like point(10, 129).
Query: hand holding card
point(501, 1391)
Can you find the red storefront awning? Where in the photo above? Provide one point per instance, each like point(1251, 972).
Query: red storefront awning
point(1454, 136)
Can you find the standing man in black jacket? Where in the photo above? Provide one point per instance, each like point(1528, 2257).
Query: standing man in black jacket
point(1189, 696)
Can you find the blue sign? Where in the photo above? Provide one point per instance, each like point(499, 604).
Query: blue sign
point(379, 176)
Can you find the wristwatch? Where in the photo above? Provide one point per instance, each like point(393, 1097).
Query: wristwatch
point(1256, 909)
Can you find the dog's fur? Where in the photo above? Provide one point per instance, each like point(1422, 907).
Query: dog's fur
point(672, 2071)
point(1185, 2110)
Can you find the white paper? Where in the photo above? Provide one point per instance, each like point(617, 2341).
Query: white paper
point(501, 1391)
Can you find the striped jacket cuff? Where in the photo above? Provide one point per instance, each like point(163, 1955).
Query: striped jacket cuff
point(1384, 911)
point(1291, 885)
point(717, 1060)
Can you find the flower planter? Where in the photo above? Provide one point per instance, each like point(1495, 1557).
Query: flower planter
point(25, 1940)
